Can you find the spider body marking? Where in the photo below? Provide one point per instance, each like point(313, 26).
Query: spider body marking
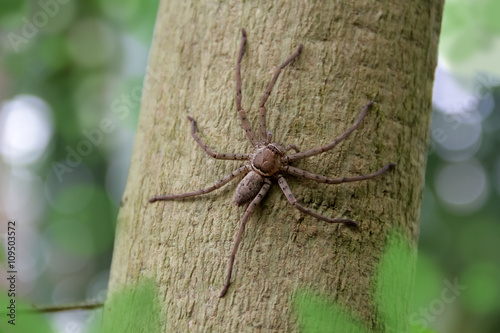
point(265, 162)
point(268, 161)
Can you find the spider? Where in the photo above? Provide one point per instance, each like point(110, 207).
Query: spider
point(268, 161)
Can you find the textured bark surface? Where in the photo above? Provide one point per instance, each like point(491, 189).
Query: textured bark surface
point(354, 51)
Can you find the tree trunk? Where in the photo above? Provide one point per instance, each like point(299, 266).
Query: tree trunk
point(170, 258)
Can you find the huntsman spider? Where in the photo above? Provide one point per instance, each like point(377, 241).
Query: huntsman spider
point(269, 161)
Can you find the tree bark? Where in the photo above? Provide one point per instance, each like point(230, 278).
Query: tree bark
point(354, 52)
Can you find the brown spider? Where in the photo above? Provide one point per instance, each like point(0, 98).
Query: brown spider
point(268, 161)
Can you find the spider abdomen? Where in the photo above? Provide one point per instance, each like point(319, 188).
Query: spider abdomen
point(248, 188)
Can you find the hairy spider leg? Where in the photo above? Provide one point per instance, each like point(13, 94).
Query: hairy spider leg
point(245, 123)
point(302, 174)
point(319, 150)
point(292, 146)
point(262, 108)
point(291, 198)
point(243, 170)
point(256, 201)
point(219, 156)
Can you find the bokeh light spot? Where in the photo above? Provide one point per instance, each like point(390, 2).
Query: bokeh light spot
point(25, 129)
point(453, 133)
point(462, 186)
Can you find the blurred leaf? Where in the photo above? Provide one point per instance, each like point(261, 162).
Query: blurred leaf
point(135, 308)
point(316, 314)
point(393, 290)
point(395, 282)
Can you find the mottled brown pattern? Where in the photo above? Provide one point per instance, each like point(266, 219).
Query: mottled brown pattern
point(267, 160)
point(248, 188)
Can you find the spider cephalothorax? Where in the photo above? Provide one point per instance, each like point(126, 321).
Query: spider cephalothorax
point(268, 161)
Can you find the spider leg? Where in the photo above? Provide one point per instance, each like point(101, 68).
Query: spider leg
point(239, 234)
point(290, 197)
point(219, 156)
point(292, 146)
point(322, 179)
point(319, 150)
point(262, 108)
point(244, 169)
point(245, 123)
point(269, 136)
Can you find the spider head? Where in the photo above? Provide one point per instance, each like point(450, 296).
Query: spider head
point(267, 159)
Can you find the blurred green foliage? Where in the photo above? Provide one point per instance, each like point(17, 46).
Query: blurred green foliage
point(82, 220)
point(24, 321)
point(468, 27)
point(317, 315)
point(80, 57)
point(394, 282)
point(135, 308)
